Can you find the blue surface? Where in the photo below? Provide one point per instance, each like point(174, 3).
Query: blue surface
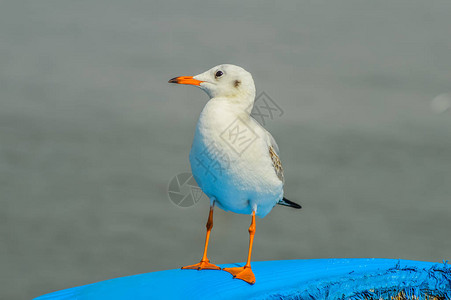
point(289, 279)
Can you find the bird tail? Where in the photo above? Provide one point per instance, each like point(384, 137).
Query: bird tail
point(289, 203)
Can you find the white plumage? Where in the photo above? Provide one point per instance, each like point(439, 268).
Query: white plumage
point(230, 157)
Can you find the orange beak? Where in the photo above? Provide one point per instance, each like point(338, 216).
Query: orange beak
point(185, 80)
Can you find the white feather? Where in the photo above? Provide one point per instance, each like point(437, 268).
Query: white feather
point(237, 172)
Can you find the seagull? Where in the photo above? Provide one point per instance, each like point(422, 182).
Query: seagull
point(234, 160)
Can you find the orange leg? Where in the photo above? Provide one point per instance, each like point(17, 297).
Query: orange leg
point(204, 262)
point(245, 273)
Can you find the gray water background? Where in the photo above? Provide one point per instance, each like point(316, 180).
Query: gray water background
point(91, 133)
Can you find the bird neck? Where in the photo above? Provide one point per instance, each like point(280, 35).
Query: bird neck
point(240, 104)
point(222, 111)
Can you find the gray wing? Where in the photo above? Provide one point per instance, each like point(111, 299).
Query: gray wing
point(274, 154)
point(273, 151)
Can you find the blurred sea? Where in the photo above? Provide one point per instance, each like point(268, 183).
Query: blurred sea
point(91, 133)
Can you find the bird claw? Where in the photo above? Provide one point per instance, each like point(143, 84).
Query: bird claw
point(244, 273)
point(203, 265)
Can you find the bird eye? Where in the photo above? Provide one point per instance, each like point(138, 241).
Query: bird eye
point(219, 74)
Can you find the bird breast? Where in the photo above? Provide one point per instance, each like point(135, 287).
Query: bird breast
point(229, 151)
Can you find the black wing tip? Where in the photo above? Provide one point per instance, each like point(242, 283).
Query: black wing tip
point(289, 203)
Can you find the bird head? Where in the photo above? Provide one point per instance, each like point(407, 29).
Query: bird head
point(222, 81)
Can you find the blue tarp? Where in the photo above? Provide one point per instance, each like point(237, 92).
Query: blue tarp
point(288, 279)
